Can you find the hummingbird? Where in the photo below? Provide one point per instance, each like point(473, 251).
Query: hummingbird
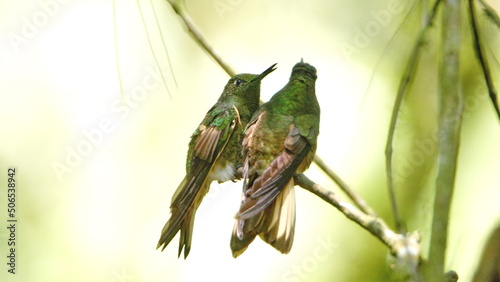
point(279, 141)
point(214, 154)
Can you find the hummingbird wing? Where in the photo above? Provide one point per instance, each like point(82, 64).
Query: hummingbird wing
point(266, 187)
point(206, 145)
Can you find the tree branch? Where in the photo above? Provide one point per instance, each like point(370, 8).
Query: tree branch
point(404, 247)
point(358, 201)
point(196, 35)
point(449, 125)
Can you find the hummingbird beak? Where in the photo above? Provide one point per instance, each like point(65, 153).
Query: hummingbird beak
point(266, 72)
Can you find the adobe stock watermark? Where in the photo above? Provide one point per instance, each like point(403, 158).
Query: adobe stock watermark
point(426, 147)
point(93, 137)
point(32, 25)
point(362, 36)
point(299, 272)
point(223, 6)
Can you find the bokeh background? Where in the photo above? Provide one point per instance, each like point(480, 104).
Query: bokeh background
point(97, 166)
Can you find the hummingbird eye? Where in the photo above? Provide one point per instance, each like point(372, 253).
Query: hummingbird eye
point(238, 82)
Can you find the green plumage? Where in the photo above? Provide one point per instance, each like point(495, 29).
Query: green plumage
point(279, 141)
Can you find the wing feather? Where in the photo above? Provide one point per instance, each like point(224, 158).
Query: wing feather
point(209, 141)
point(266, 188)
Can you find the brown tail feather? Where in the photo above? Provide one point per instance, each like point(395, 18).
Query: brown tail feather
point(182, 219)
point(281, 225)
point(275, 225)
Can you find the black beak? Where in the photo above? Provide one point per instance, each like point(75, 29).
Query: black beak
point(266, 72)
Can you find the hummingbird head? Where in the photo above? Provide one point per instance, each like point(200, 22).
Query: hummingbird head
point(302, 69)
point(246, 85)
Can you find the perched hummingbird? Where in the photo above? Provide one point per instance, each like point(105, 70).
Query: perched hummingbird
point(279, 141)
point(214, 154)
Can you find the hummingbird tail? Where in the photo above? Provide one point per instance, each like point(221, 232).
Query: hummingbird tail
point(238, 246)
point(279, 226)
point(275, 225)
point(173, 224)
point(186, 233)
point(182, 218)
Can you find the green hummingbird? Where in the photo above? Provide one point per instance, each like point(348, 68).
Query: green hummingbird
point(279, 141)
point(214, 154)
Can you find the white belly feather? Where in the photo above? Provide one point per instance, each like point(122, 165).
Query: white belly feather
point(223, 173)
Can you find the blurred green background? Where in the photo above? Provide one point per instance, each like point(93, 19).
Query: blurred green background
point(95, 171)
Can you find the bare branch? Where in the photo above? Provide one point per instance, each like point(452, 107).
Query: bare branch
point(177, 6)
point(409, 73)
point(406, 248)
point(342, 185)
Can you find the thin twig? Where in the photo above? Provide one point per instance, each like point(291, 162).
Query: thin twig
point(178, 9)
point(482, 58)
point(344, 187)
point(403, 88)
point(449, 125)
point(405, 248)
point(177, 6)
